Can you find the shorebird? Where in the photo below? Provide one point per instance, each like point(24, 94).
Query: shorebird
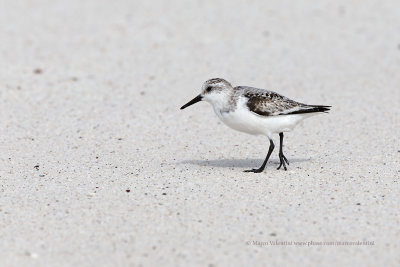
point(256, 111)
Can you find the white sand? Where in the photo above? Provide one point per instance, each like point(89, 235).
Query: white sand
point(103, 117)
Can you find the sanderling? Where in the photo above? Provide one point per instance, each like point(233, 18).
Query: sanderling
point(255, 111)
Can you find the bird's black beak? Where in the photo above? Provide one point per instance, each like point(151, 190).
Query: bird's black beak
point(193, 101)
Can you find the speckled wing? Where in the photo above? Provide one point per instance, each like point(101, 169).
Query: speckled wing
point(269, 103)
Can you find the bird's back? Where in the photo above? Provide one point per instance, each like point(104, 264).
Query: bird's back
point(269, 103)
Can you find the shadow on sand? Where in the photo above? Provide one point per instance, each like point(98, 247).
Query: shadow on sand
point(236, 163)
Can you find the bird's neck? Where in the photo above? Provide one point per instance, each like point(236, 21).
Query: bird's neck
point(222, 104)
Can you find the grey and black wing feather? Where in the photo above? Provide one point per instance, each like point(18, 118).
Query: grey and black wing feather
point(269, 103)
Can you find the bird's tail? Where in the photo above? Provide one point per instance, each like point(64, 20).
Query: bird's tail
point(312, 109)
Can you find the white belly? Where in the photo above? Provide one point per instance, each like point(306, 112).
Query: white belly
point(246, 121)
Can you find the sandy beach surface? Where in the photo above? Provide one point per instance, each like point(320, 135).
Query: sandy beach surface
point(99, 167)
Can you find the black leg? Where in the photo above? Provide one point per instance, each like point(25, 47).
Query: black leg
point(271, 147)
point(281, 156)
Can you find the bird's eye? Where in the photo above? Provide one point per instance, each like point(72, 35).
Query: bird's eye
point(208, 89)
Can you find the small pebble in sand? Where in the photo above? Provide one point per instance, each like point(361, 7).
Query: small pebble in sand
point(32, 254)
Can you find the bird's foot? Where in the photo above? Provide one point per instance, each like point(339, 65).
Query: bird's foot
point(283, 159)
point(255, 170)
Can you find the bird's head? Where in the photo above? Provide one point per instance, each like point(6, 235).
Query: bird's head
point(214, 91)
